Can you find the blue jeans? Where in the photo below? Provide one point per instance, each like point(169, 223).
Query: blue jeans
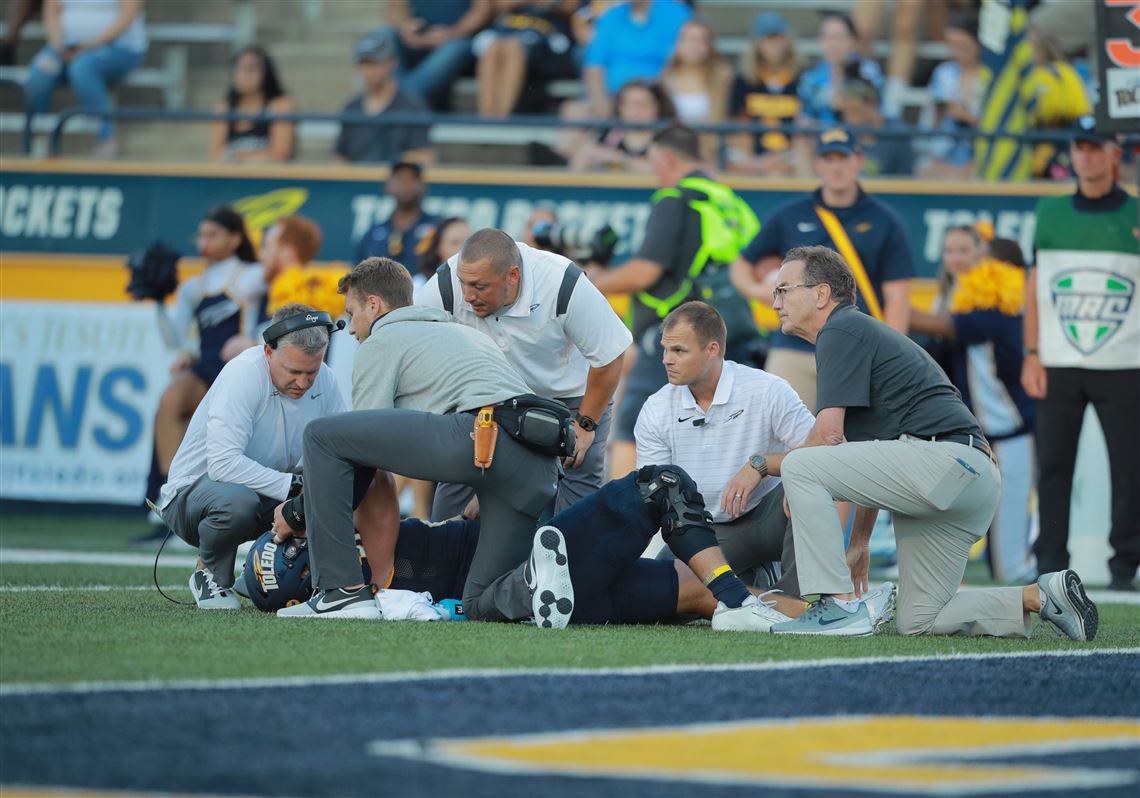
point(88, 73)
point(434, 72)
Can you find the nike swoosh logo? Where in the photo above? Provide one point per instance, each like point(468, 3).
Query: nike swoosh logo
point(823, 622)
point(314, 395)
point(683, 420)
point(805, 227)
point(332, 605)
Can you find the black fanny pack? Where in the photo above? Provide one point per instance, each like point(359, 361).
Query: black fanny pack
point(542, 425)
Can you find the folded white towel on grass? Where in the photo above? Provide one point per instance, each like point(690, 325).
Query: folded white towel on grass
point(407, 605)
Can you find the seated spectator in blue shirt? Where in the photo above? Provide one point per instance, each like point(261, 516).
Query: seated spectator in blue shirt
point(360, 143)
point(632, 40)
point(406, 234)
point(528, 40)
point(859, 105)
point(957, 87)
point(434, 40)
point(817, 87)
point(765, 92)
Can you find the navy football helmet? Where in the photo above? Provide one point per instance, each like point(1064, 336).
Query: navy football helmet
point(277, 574)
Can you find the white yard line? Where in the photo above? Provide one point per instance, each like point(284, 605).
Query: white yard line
point(64, 557)
point(464, 674)
point(84, 588)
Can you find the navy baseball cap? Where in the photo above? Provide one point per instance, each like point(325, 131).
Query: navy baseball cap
point(769, 24)
point(1084, 129)
point(836, 139)
point(412, 166)
point(379, 45)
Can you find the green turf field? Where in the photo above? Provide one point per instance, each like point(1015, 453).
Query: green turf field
point(79, 622)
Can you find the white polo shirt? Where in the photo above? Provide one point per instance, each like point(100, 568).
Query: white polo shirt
point(247, 433)
point(554, 354)
point(752, 412)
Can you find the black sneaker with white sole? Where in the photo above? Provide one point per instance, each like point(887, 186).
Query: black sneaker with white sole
point(1065, 605)
point(548, 577)
point(336, 603)
point(208, 595)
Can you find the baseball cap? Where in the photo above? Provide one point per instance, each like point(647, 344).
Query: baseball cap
point(412, 165)
point(1084, 129)
point(836, 139)
point(769, 24)
point(379, 45)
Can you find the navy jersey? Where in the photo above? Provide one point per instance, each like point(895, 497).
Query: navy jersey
point(403, 246)
point(875, 230)
point(987, 371)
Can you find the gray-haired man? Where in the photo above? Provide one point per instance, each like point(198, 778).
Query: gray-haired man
point(418, 381)
point(241, 456)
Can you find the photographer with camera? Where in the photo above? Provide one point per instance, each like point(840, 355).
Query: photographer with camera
point(558, 332)
point(695, 231)
point(241, 455)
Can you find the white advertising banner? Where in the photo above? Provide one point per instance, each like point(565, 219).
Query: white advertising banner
point(79, 385)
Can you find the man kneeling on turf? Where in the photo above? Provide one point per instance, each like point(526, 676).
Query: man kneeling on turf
point(241, 456)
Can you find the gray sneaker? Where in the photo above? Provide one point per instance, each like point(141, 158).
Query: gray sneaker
point(825, 617)
point(1065, 605)
point(336, 603)
point(208, 595)
point(548, 577)
point(880, 605)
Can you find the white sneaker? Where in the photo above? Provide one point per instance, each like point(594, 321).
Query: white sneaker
point(208, 595)
point(753, 615)
point(881, 605)
point(1065, 605)
point(337, 603)
point(548, 577)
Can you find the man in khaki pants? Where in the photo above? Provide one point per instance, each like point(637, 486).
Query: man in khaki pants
point(892, 433)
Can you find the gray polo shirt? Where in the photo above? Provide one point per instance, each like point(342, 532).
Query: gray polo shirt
point(888, 384)
point(369, 144)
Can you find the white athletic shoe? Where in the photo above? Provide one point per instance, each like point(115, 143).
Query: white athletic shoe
point(208, 595)
point(1065, 605)
point(337, 603)
point(548, 577)
point(881, 605)
point(754, 615)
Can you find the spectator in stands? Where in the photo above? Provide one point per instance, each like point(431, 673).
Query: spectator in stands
point(404, 235)
point(528, 39)
point(435, 43)
point(957, 87)
point(841, 59)
point(19, 12)
point(444, 241)
point(359, 143)
point(254, 89)
point(859, 108)
point(583, 23)
point(1055, 98)
point(638, 102)
point(90, 44)
point(697, 80)
point(632, 40)
point(765, 92)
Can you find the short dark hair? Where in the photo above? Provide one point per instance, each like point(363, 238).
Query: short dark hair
point(681, 140)
point(825, 266)
point(490, 242)
point(380, 277)
point(1007, 250)
point(707, 323)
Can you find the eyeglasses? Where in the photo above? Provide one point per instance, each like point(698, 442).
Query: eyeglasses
point(781, 291)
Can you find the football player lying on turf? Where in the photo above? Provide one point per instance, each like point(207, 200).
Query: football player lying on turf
point(586, 565)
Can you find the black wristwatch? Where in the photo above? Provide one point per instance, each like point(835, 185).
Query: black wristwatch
point(586, 423)
point(296, 485)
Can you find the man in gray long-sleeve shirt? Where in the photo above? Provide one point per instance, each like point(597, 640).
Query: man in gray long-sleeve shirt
point(417, 383)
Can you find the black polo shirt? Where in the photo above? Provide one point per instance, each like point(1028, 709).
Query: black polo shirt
point(888, 384)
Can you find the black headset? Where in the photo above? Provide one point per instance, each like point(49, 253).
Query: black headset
point(300, 321)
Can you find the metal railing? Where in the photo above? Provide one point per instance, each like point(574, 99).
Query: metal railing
point(430, 119)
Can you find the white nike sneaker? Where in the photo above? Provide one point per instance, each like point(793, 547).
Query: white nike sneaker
point(1065, 605)
point(881, 605)
point(753, 615)
point(208, 595)
point(337, 603)
point(548, 577)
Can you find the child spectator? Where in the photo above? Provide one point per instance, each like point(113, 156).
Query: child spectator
point(859, 106)
point(1054, 97)
point(434, 40)
point(254, 89)
point(818, 85)
point(957, 87)
point(765, 92)
point(529, 39)
point(638, 101)
point(90, 44)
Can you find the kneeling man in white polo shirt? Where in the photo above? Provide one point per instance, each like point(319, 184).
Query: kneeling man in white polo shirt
point(729, 426)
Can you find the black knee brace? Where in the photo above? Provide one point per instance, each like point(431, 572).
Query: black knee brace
point(673, 498)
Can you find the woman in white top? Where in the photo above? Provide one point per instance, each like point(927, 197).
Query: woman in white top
point(698, 80)
point(91, 43)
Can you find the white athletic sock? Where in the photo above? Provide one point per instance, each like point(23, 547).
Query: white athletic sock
point(851, 605)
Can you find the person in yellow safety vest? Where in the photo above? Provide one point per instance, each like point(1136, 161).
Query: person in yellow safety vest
point(695, 231)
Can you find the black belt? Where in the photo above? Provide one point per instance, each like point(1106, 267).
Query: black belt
point(976, 441)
